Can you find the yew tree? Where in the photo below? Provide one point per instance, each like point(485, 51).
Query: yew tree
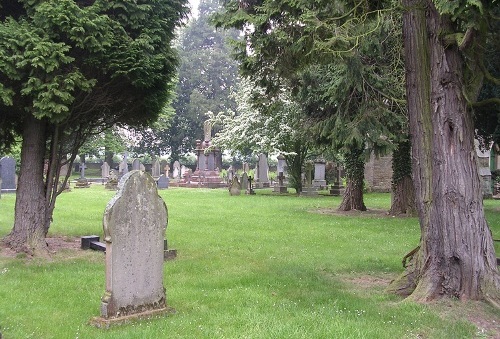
point(445, 70)
point(70, 69)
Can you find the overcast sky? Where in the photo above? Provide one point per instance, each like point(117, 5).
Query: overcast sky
point(194, 6)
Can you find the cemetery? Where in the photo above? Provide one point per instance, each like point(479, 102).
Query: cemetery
point(249, 169)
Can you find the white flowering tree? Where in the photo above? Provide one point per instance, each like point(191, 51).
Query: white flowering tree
point(276, 127)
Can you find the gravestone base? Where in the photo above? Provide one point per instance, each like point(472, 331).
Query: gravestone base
point(337, 190)
point(280, 189)
point(320, 184)
point(111, 185)
point(102, 322)
point(82, 183)
point(309, 192)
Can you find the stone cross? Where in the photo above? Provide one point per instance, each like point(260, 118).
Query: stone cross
point(134, 225)
point(281, 178)
point(82, 170)
point(207, 129)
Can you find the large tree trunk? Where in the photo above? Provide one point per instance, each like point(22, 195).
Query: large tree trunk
point(28, 233)
point(355, 175)
point(456, 257)
point(403, 192)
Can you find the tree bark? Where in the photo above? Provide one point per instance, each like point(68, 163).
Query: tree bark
point(456, 257)
point(28, 233)
point(403, 191)
point(355, 175)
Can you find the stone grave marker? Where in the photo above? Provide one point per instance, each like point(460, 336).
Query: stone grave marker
point(8, 174)
point(105, 170)
point(235, 188)
point(263, 171)
point(177, 170)
point(156, 169)
point(309, 189)
point(112, 183)
point(244, 181)
point(280, 186)
point(134, 226)
point(319, 174)
point(136, 165)
point(163, 181)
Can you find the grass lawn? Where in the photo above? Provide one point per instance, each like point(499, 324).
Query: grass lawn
point(260, 266)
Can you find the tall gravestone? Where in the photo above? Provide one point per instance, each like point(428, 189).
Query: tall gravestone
point(136, 165)
point(134, 225)
point(263, 171)
point(156, 169)
point(319, 174)
point(105, 170)
point(8, 174)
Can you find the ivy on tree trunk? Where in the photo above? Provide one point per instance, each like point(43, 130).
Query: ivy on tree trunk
point(355, 175)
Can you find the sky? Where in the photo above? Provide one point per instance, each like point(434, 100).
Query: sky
point(194, 5)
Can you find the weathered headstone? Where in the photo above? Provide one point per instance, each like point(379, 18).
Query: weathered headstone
point(250, 187)
point(134, 225)
point(156, 169)
point(309, 189)
point(112, 183)
point(235, 188)
point(230, 174)
point(163, 181)
point(337, 188)
point(177, 170)
point(263, 171)
point(136, 165)
point(82, 182)
point(280, 186)
point(319, 174)
point(281, 167)
point(8, 174)
point(105, 170)
point(246, 168)
point(244, 181)
point(123, 166)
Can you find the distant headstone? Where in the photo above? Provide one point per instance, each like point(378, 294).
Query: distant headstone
point(280, 186)
point(136, 165)
point(246, 168)
point(82, 182)
point(319, 174)
point(177, 170)
point(112, 183)
point(281, 167)
point(309, 189)
point(263, 171)
point(235, 188)
point(105, 170)
point(250, 187)
point(337, 188)
point(123, 166)
point(156, 169)
point(134, 225)
point(244, 181)
point(163, 181)
point(230, 174)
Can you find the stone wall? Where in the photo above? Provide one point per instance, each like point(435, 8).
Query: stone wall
point(378, 173)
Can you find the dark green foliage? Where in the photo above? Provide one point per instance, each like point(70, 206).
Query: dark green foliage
point(206, 77)
point(85, 65)
point(401, 162)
